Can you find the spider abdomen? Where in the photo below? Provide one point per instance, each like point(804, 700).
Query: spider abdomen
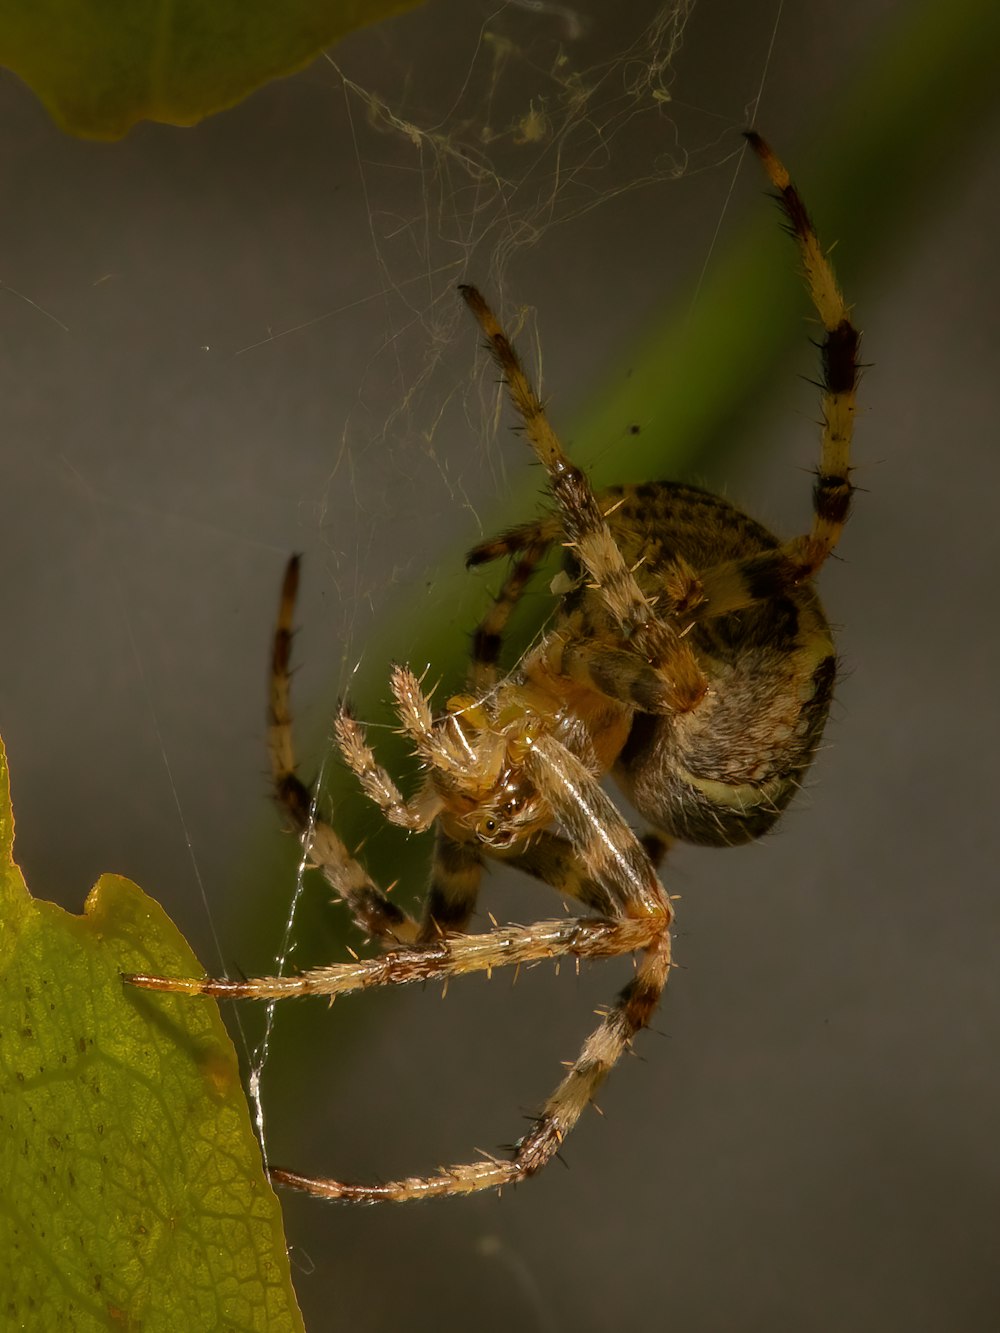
point(722, 773)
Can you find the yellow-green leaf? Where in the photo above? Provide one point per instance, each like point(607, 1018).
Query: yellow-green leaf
point(133, 1195)
point(100, 65)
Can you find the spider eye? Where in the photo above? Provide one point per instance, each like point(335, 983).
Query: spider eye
point(492, 830)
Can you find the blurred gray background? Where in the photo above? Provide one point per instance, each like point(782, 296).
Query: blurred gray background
point(809, 1140)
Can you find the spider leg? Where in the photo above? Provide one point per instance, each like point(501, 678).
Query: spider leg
point(457, 868)
point(487, 638)
point(617, 673)
point(618, 858)
point(608, 847)
point(454, 956)
point(642, 917)
point(514, 540)
point(610, 853)
point(554, 860)
point(736, 584)
point(375, 913)
point(839, 361)
point(601, 1051)
point(451, 895)
point(656, 844)
point(586, 938)
point(587, 532)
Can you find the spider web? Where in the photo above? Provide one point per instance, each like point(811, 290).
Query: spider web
point(468, 176)
point(496, 146)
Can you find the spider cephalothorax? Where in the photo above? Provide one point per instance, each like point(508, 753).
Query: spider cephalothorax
point(688, 657)
point(477, 757)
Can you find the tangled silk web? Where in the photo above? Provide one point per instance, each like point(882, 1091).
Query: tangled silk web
point(493, 129)
point(478, 136)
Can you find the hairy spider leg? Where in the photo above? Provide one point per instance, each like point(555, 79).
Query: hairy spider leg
point(547, 529)
point(654, 637)
point(839, 358)
point(487, 638)
point(556, 863)
point(600, 1053)
point(374, 912)
point(549, 857)
point(456, 872)
point(580, 801)
point(740, 583)
point(642, 917)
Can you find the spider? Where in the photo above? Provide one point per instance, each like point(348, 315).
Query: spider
point(689, 657)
